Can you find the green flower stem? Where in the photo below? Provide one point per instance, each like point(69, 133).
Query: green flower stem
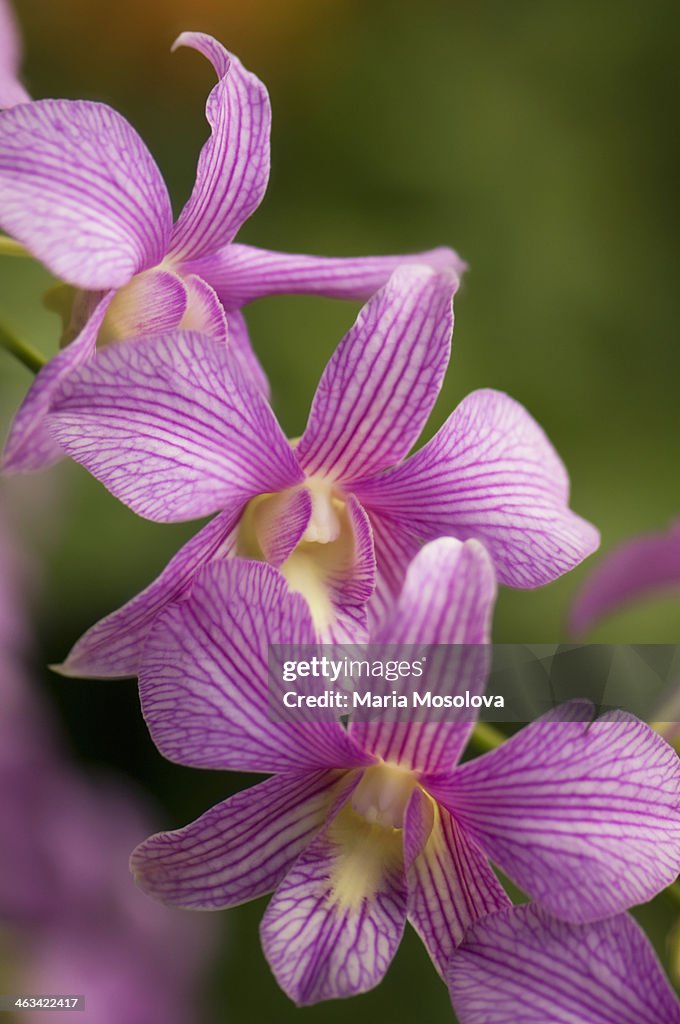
point(486, 737)
point(8, 247)
point(32, 359)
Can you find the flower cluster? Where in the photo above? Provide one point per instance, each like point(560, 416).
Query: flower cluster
point(343, 535)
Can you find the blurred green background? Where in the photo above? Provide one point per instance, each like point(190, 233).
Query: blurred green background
point(537, 138)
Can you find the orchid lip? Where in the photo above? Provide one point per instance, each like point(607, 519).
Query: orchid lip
point(321, 549)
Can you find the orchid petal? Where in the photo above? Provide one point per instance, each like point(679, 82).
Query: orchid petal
point(420, 817)
point(635, 569)
point(447, 600)
point(490, 473)
point(154, 301)
point(233, 168)
point(204, 312)
point(447, 597)
point(583, 816)
point(336, 920)
point(30, 444)
point(11, 89)
point(81, 191)
point(395, 547)
point(239, 339)
point(450, 885)
point(278, 522)
point(522, 965)
point(112, 648)
point(381, 383)
point(350, 580)
point(241, 273)
point(203, 682)
point(241, 848)
point(171, 428)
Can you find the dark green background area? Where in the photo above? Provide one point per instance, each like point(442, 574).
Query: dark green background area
point(537, 138)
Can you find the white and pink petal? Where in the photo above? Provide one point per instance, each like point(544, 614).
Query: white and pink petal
point(171, 428)
point(239, 340)
point(153, 302)
point(490, 473)
point(444, 612)
point(239, 849)
point(336, 920)
point(584, 816)
point(204, 311)
point(522, 965)
point(381, 383)
point(450, 886)
point(395, 548)
point(204, 678)
point(233, 168)
point(81, 191)
point(241, 273)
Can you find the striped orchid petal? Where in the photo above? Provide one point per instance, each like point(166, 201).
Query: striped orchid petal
point(636, 569)
point(240, 273)
point(450, 885)
point(81, 191)
point(204, 312)
point(395, 548)
point(112, 648)
point(383, 379)
point(154, 302)
point(489, 473)
point(520, 965)
point(336, 920)
point(274, 525)
point(239, 849)
point(170, 426)
point(233, 168)
point(203, 683)
point(347, 573)
point(583, 816)
point(239, 339)
point(30, 444)
point(447, 600)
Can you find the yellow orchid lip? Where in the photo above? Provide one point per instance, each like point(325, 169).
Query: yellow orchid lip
point(325, 550)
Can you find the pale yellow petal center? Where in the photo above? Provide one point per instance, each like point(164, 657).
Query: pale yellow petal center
point(367, 836)
point(324, 554)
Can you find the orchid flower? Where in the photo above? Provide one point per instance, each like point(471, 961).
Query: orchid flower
point(169, 427)
point(360, 829)
point(637, 568)
point(520, 966)
point(80, 190)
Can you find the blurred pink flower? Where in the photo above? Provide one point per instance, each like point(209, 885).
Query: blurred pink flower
point(76, 922)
